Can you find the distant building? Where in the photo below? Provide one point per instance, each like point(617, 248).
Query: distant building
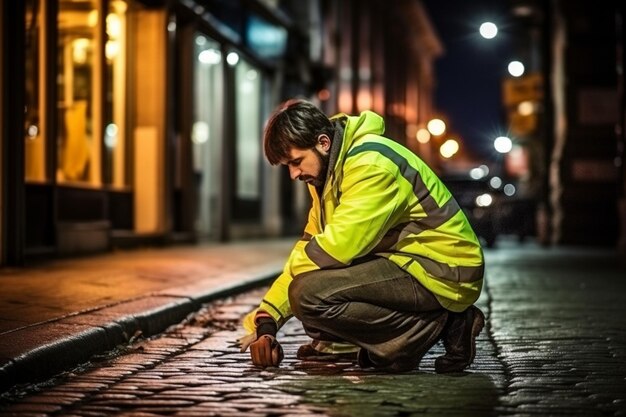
point(576, 137)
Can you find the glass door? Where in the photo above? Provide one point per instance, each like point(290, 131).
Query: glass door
point(38, 130)
point(207, 133)
point(78, 86)
point(35, 128)
point(248, 81)
point(115, 107)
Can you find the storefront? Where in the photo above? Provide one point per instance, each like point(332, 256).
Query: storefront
point(81, 130)
point(142, 123)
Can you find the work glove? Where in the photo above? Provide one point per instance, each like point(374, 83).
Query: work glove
point(264, 348)
point(266, 351)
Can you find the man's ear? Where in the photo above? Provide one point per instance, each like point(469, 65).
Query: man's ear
point(324, 141)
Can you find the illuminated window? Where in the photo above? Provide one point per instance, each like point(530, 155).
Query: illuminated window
point(34, 115)
point(78, 81)
point(115, 96)
point(248, 99)
point(207, 132)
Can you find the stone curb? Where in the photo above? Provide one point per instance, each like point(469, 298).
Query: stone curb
point(36, 353)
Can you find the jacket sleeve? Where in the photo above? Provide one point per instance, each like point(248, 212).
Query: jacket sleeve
point(370, 204)
point(276, 300)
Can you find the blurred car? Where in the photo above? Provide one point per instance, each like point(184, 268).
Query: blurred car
point(492, 211)
point(480, 202)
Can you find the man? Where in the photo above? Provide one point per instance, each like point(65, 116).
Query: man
point(388, 263)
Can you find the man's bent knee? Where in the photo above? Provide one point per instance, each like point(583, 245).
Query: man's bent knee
point(303, 297)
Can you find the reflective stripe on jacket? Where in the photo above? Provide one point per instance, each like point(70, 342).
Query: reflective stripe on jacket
point(381, 199)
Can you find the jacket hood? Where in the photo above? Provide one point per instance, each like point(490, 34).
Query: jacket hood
point(349, 129)
point(355, 127)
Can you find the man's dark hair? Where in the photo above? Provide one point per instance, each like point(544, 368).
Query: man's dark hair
point(295, 123)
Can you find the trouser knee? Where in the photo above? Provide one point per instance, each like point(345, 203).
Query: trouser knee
point(303, 298)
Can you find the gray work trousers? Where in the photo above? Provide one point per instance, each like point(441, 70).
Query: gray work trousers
point(374, 304)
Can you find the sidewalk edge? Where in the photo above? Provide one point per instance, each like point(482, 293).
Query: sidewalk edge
point(115, 326)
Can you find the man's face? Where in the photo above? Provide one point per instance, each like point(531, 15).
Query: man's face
point(309, 165)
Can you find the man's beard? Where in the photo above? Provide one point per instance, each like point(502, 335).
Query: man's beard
point(320, 179)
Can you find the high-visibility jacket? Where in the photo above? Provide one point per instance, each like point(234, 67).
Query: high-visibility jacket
point(381, 199)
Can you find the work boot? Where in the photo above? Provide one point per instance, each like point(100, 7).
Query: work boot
point(320, 351)
point(459, 339)
point(430, 326)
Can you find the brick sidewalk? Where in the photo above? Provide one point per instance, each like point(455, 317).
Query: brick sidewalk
point(194, 369)
point(57, 315)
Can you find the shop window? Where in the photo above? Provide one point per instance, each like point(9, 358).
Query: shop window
point(34, 94)
point(207, 132)
point(248, 141)
point(78, 91)
point(115, 132)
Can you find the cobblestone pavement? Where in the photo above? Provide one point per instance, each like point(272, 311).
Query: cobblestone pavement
point(195, 370)
point(554, 344)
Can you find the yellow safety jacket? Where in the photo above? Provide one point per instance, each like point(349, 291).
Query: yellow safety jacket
point(381, 199)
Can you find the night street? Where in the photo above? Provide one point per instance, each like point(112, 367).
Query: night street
point(442, 184)
point(554, 344)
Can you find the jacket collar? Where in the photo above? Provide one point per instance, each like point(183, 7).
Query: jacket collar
point(335, 150)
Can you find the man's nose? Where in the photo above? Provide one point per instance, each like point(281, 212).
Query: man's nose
point(294, 172)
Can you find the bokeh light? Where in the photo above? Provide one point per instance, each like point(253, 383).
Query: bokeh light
point(423, 135)
point(503, 144)
point(488, 30)
point(449, 148)
point(436, 127)
point(516, 68)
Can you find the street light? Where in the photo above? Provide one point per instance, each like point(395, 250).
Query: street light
point(516, 68)
point(488, 30)
point(449, 148)
point(423, 135)
point(503, 144)
point(436, 127)
point(479, 172)
point(526, 108)
point(232, 58)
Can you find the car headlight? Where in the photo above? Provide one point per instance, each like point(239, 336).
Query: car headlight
point(484, 200)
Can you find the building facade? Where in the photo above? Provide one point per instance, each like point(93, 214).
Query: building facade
point(133, 122)
point(576, 137)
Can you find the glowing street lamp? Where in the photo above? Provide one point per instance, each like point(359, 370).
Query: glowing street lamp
point(436, 127)
point(449, 148)
point(516, 68)
point(526, 108)
point(503, 144)
point(423, 135)
point(488, 30)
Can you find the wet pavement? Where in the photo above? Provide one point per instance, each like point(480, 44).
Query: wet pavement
point(554, 344)
point(195, 369)
point(57, 315)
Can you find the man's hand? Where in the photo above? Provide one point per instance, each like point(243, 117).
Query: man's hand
point(266, 351)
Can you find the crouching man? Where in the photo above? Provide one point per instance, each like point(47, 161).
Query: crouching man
point(388, 263)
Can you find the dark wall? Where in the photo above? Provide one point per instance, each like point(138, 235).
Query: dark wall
point(589, 176)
